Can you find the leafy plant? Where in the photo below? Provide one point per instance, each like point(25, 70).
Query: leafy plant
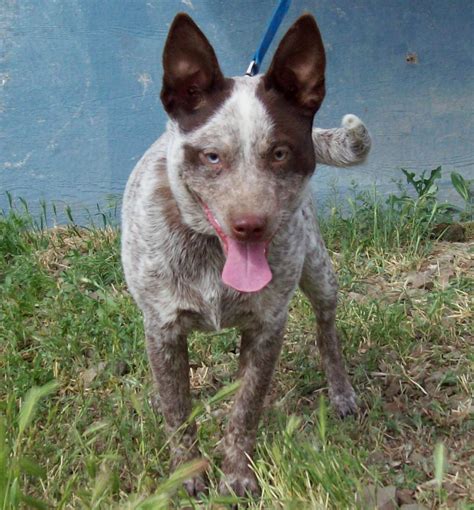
point(427, 189)
point(433, 216)
point(424, 186)
point(465, 190)
point(427, 203)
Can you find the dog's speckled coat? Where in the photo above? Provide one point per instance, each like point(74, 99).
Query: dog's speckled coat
point(172, 256)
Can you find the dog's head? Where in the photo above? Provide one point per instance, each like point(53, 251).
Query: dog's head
point(241, 151)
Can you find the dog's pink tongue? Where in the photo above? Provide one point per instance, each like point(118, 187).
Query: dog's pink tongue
point(246, 268)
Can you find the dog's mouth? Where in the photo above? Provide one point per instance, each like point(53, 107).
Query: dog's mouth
point(246, 266)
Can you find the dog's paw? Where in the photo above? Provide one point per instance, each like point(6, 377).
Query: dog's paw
point(196, 486)
point(239, 484)
point(189, 463)
point(344, 401)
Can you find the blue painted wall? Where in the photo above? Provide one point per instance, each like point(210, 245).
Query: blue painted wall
point(80, 82)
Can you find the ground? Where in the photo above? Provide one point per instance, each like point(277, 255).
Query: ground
point(93, 440)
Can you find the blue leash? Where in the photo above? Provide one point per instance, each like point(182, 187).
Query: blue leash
point(275, 21)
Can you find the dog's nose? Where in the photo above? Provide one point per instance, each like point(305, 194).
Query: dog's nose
point(249, 227)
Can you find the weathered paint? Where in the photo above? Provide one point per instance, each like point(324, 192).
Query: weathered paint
point(80, 81)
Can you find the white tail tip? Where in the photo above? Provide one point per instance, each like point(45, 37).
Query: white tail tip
point(351, 121)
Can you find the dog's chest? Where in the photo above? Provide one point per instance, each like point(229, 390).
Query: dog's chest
point(215, 312)
point(203, 302)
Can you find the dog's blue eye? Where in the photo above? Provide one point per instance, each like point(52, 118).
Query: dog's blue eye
point(213, 158)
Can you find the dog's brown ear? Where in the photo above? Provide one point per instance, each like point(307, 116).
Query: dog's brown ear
point(297, 69)
point(191, 70)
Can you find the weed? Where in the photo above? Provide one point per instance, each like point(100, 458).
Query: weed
point(466, 192)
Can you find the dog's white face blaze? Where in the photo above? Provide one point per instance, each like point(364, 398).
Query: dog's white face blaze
point(246, 112)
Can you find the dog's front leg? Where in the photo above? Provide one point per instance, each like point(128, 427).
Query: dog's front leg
point(318, 282)
point(168, 354)
point(259, 351)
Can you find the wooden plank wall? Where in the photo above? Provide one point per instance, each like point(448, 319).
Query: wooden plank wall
point(80, 82)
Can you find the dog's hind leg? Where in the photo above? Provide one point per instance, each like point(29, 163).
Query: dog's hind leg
point(168, 354)
point(259, 351)
point(318, 282)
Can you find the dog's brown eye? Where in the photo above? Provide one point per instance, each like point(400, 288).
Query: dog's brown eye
point(280, 154)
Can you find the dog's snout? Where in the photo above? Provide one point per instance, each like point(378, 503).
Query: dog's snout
point(249, 227)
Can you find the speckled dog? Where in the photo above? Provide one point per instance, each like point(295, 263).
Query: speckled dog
point(219, 228)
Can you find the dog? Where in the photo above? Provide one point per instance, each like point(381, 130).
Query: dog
point(219, 228)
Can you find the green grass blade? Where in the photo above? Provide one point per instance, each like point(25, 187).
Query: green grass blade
point(439, 463)
point(4, 455)
point(31, 401)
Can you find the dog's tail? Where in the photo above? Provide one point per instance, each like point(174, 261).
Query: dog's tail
point(345, 146)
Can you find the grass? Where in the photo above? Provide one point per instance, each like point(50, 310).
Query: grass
point(77, 428)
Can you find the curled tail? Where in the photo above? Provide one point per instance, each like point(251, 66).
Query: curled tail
point(347, 145)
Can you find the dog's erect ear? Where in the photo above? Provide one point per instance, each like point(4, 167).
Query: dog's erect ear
point(297, 69)
point(191, 70)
